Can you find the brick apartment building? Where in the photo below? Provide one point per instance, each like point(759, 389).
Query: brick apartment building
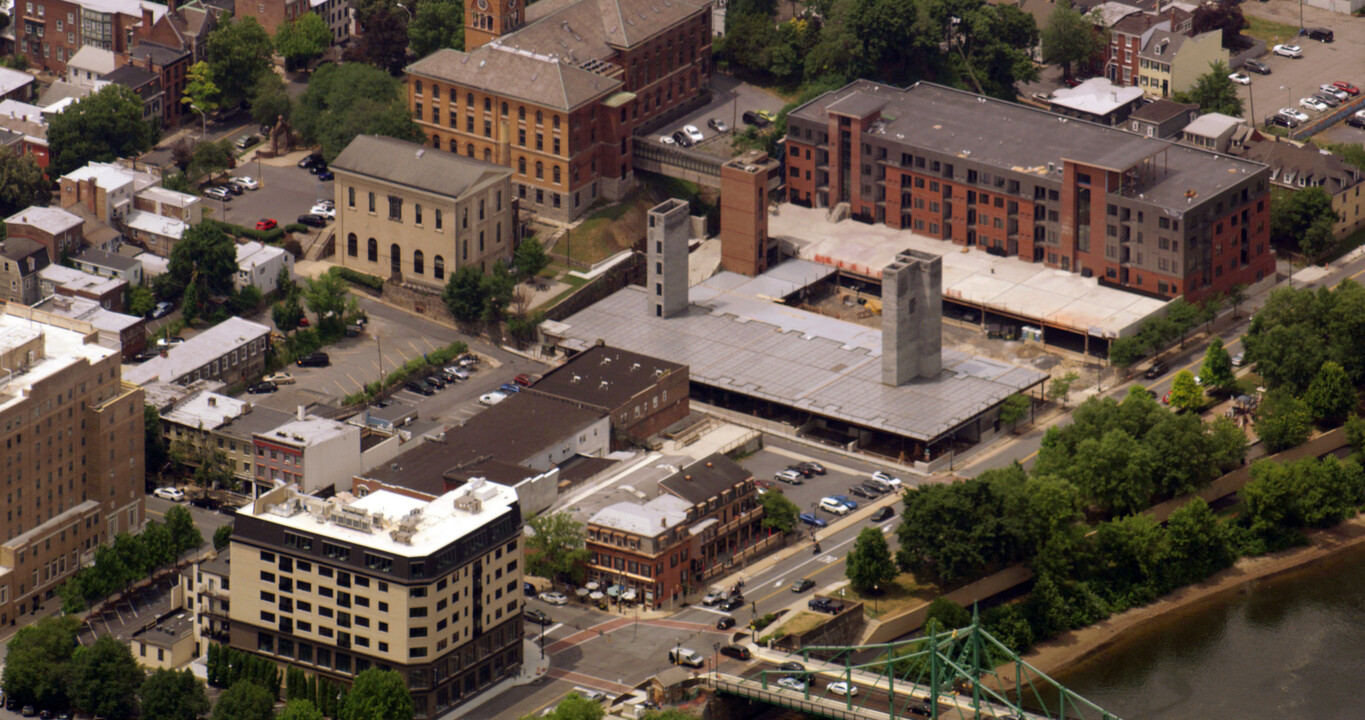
point(672, 544)
point(55, 229)
point(168, 45)
point(73, 433)
point(271, 14)
point(1139, 213)
point(49, 32)
point(555, 91)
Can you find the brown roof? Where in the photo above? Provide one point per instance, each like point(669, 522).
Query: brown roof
point(1162, 110)
point(20, 248)
point(538, 79)
point(1136, 24)
point(705, 478)
point(1313, 167)
point(605, 376)
point(620, 23)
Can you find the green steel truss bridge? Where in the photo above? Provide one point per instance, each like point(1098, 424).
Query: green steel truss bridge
point(962, 674)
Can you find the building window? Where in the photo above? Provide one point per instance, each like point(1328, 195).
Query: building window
point(540, 170)
point(373, 250)
point(352, 245)
point(418, 265)
point(437, 219)
point(438, 267)
point(417, 213)
point(395, 208)
point(350, 197)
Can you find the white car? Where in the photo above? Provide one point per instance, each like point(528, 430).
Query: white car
point(843, 688)
point(667, 140)
point(169, 493)
point(1335, 92)
point(693, 133)
point(279, 378)
point(163, 309)
point(830, 505)
point(712, 598)
point(491, 399)
point(792, 683)
point(1313, 103)
point(554, 598)
point(1240, 78)
point(248, 182)
point(893, 481)
point(323, 210)
point(1238, 359)
point(1290, 51)
point(457, 372)
point(1296, 114)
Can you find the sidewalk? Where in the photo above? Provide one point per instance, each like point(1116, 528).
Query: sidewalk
point(533, 670)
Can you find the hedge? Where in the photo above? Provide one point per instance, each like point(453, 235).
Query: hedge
point(296, 228)
point(372, 282)
point(270, 237)
point(435, 358)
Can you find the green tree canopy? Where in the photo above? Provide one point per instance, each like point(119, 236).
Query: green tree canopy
point(351, 99)
point(303, 39)
point(173, 695)
point(1331, 397)
point(1015, 409)
point(205, 254)
point(1070, 38)
point(22, 183)
point(1186, 394)
point(270, 100)
point(1216, 372)
point(779, 513)
point(141, 301)
point(378, 695)
point(384, 44)
point(1214, 91)
point(201, 93)
point(105, 679)
point(329, 298)
point(530, 258)
point(1282, 420)
point(213, 157)
point(222, 537)
point(1293, 214)
point(437, 24)
point(299, 709)
point(869, 563)
point(239, 51)
point(555, 549)
point(576, 707)
point(38, 664)
point(245, 700)
point(1124, 351)
point(103, 126)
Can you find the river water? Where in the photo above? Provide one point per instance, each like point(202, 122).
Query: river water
point(1287, 648)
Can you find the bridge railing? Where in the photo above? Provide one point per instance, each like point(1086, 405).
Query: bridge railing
point(788, 698)
point(648, 150)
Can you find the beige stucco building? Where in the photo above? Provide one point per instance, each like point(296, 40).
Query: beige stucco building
point(417, 214)
point(1172, 62)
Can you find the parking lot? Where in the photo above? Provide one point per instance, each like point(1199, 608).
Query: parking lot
point(1322, 63)
point(730, 99)
point(843, 473)
point(287, 191)
point(131, 614)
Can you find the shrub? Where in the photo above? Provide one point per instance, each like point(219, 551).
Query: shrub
point(296, 228)
point(372, 282)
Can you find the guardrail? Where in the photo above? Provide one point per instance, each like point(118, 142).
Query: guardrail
point(1332, 118)
point(788, 698)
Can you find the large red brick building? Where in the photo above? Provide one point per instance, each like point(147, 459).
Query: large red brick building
point(1139, 213)
point(555, 90)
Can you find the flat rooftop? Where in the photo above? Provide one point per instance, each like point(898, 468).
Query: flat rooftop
point(438, 522)
point(196, 352)
point(605, 376)
point(792, 357)
point(1003, 284)
point(62, 349)
point(206, 410)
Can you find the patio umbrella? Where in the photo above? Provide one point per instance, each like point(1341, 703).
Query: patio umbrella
point(596, 595)
point(581, 591)
point(614, 590)
point(592, 585)
point(628, 596)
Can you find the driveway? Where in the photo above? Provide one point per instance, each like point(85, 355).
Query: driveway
point(730, 99)
point(1291, 79)
point(286, 192)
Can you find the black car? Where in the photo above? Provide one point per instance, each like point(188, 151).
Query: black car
point(419, 388)
point(814, 467)
point(1256, 66)
point(317, 359)
point(725, 623)
point(861, 492)
point(145, 355)
point(825, 605)
point(802, 585)
point(1157, 369)
point(682, 139)
point(528, 588)
point(261, 388)
point(233, 188)
point(738, 652)
point(318, 168)
point(732, 603)
point(206, 502)
point(435, 381)
point(1285, 121)
point(800, 467)
point(752, 118)
point(310, 161)
point(538, 617)
point(247, 141)
point(1319, 34)
point(868, 486)
point(312, 220)
point(885, 513)
point(792, 667)
point(1356, 121)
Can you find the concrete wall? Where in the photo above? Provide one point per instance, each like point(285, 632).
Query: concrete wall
point(842, 629)
point(538, 493)
point(332, 462)
point(593, 439)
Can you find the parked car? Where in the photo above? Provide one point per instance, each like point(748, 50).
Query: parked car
point(539, 617)
point(266, 224)
point(279, 378)
point(1329, 99)
point(28, 711)
point(1156, 370)
point(682, 139)
point(1299, 115)
point(768, 115)
point(169, 342)
point(436, 381)
point(738, 652)
point(324, 210)
point(491, 399)
point(1313, 103)
point(162, 309)
point(752, 118)
point(1289, 51)
point(1071, 82)
point(554, 598)
point(685, 656)
point(509, 388)
point(312, 220)
point(457, 372)
point(246, 181)
point(326, 175)
point(885, 513)
point(802, 585)
point(1285, 121)
point(528, 588)
point(217, 192)
point(894, 482)
point(1320, 34)
point(804, 472)
point(1350, 89)
point(812, 520)
point(170, 493)
point(420, 388)
point(841, 687)
point(523, 380)
point(792, 683)
point(725, 623)
point(318, 168)
point(693, 133)
point(317, 359)
point(830, 505)
point(825, 605)
point(718, 125)
point(1336, 92)
point(666, 140)
point(848, 503)
point(874, 488)
point(310, 160)
point(861, 492)
point(791, 477)
point(247, 141)
point(261, 388)
point(234, 188)
point(1240, 78)
point(814, 467)
point(1256, 66)
point(1238, 359)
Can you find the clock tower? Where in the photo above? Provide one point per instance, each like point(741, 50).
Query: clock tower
point(488, 19)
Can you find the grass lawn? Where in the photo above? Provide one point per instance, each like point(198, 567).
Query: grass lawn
point(903, 591)
point(1273, 33)
point(802, 622)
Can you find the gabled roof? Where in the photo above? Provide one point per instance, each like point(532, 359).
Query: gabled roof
point(706, 478)
point(1163, 45)
point(620, 23)
point(417, 166)
point(20, 248)
point(1291, 163)
point(131, 76)
point(94, 59)
point(538, 79)
point(1162, 110)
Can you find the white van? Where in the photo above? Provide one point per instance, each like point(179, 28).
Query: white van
point(593, 695)
point(683, 656)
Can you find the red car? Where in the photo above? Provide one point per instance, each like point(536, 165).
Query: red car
point(303, 321)
point(1071, 82)
point(1350, 89)
point(266, 224)
point(523, 380)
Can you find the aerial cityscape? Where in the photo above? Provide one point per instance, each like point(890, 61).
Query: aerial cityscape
point(682, 359)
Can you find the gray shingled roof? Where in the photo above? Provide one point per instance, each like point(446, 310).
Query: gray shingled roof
point(417, 166)
point(520, 74)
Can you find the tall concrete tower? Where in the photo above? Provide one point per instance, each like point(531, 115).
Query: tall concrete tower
point(912, 317)
point(666, 238)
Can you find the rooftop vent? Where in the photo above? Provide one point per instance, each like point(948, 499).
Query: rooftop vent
point(634, 367)
point(602, 385)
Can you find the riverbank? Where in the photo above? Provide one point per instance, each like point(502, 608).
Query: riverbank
point(1076, 645)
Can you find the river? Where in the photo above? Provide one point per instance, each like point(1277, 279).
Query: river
point(1287, 648)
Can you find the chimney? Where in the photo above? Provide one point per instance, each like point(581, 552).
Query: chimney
point(146, 22)
point(666, 247)
point(300, 413)
point(912, 317)
point(213, 401)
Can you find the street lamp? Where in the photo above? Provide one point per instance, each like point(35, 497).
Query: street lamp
point(876, 593)
point(542, 641)
point(406, 10)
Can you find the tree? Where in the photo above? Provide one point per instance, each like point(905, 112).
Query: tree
point(270, 100)
point(556, 548)
point(779, 513)
point(207, 252)
point(1237, 294)
point(1355, 433)
point(1216, 372)
point(153, 442)
point(1186, 394)
point(38, 664)
point(239, 52)
point(530, 258)
point(1224, 15)
point(1293, 214)
point(192, 301)
point(299, 709)
point(498, 286)
point(437, 24)
point(105, 678)
point(869, 562)
point(22, 183)
point(1199, 545)
point(378, 695)
point(351, 99)
point(1213, 91)
point(103, 126)
point(948, 613)
point(303, 39)
point(1070, 38)
point(1319, 238)
point(464, 294)
point(1015, 409)
point(1060, 387)
point(1124, 351)
point(222, 537)
point(1331, 397)
point(1182, 317)
point(211, 158)
point(245, 700)
point(329, 298)
point(184, 533)
point(287, 315)
point(172, 695)
point(1282, 420)
point(383, 43)
point(141, 301)
point(201, 94)
point(576, 707)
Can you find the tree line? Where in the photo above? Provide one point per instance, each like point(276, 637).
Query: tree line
point(131, 558)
